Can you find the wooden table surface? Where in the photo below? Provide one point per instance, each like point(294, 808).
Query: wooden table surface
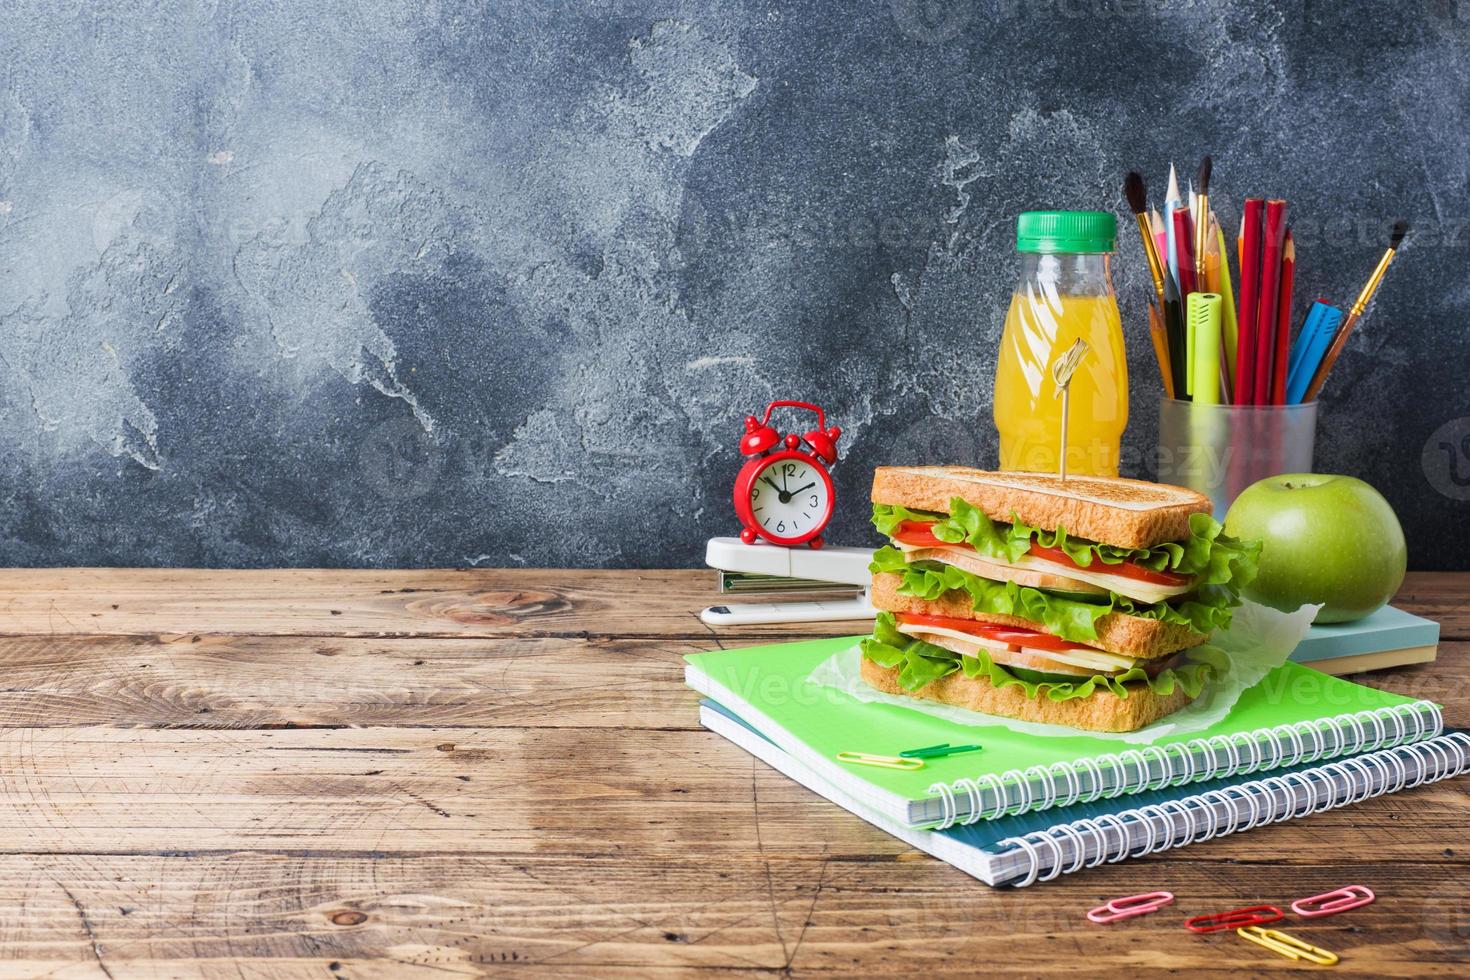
point(430, 773)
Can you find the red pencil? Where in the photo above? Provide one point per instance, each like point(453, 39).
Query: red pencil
point(1249, 256)
point(1184, 251)
point(1283, 322)
point(1272, 241)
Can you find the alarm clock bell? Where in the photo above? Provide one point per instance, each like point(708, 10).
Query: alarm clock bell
point(784, 492)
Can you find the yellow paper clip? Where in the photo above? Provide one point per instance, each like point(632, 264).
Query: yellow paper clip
point(882, 761)
point(1289, 946)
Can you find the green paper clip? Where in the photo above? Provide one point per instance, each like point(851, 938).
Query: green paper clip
point(938, 751)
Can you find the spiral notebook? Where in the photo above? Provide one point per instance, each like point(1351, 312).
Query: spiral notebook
point(1294, 715)
point(1025, 848)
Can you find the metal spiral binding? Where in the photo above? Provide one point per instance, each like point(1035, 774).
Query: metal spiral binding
point(1173, 823)
point(1130, 771)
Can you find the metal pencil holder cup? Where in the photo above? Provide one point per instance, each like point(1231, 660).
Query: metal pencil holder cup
point(1220, 450)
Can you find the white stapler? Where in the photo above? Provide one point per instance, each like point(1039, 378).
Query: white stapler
point(840, 575)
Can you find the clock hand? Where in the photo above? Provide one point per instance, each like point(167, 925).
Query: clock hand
point(780, 493)
point(800, 489)
point(773, 484)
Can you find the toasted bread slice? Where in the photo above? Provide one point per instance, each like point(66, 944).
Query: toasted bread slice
point(1103, 711)
point(1132, 636)
point(1123, 513)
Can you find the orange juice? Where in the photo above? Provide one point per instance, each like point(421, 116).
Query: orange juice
point(1066, 293)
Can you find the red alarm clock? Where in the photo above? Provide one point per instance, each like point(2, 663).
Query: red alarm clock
point(785, 495)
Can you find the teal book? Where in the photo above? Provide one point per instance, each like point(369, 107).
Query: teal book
point(1035, 846)
point(1294, 715)
point(1389, 637)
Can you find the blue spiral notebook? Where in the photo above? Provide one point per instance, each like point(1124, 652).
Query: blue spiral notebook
point(1040, 846)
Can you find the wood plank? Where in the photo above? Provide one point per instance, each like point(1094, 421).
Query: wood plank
point(566, 916)
point(226, 681)
point(1441, 596)
point(504, 791)
point(444, 602)
point(238, 682)
point(360, 602)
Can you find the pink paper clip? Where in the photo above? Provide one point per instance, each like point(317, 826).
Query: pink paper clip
point(1331, 903)
point(1127, 908)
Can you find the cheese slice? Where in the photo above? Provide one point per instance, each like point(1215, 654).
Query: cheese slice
point(1040, 573)
point(967, 558)
point(1079, 662)
point(924, 632)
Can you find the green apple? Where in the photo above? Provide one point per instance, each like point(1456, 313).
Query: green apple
point(1328, 539)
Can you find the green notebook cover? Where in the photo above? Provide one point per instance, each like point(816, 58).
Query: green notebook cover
point(768, 687)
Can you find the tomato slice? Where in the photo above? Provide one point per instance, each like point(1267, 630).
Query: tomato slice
point(920, 534)
point(1012, 635)
point(1125, 569)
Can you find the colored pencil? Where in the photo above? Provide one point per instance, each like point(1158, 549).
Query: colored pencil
point(1272, 240)
point(1229, 325)
point(1171, 204)
point(1208, 271)
point(1160, 340)
point(1283, 322)
point(1161, 240)
point(1174, 326)
point(1250, 279)
point(1184, 257)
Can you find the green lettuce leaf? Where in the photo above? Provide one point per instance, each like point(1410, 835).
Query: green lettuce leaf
point(922, 663)
point(1209, 553)
point(1205, 610)
point(887, 517)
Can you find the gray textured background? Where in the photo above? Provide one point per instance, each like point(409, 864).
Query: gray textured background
point(441, 283)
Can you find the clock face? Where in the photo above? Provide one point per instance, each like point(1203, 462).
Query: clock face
point(790, 498)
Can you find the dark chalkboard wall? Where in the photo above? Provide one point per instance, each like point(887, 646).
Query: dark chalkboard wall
point(400, 283)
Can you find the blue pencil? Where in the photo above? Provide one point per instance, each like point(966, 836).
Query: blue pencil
point(1172, 203)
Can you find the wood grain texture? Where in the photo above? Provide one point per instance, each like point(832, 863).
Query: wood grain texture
point(413, 787)
point(205, 681)
point(441, 602)
point(555, 916)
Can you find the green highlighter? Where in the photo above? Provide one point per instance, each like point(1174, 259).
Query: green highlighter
point(1203, 320)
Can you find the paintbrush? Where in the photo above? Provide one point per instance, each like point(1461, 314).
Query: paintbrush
point(1400, 229)
point(1137, 195)
point(1202, 217)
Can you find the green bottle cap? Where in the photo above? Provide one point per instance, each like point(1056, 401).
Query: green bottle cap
point(1054, 232)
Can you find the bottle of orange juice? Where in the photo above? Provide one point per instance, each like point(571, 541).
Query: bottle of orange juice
point(1065, 293)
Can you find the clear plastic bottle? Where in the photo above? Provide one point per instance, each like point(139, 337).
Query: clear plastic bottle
point(1065, 293)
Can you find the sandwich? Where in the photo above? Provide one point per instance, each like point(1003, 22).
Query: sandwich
point(1084, 603)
